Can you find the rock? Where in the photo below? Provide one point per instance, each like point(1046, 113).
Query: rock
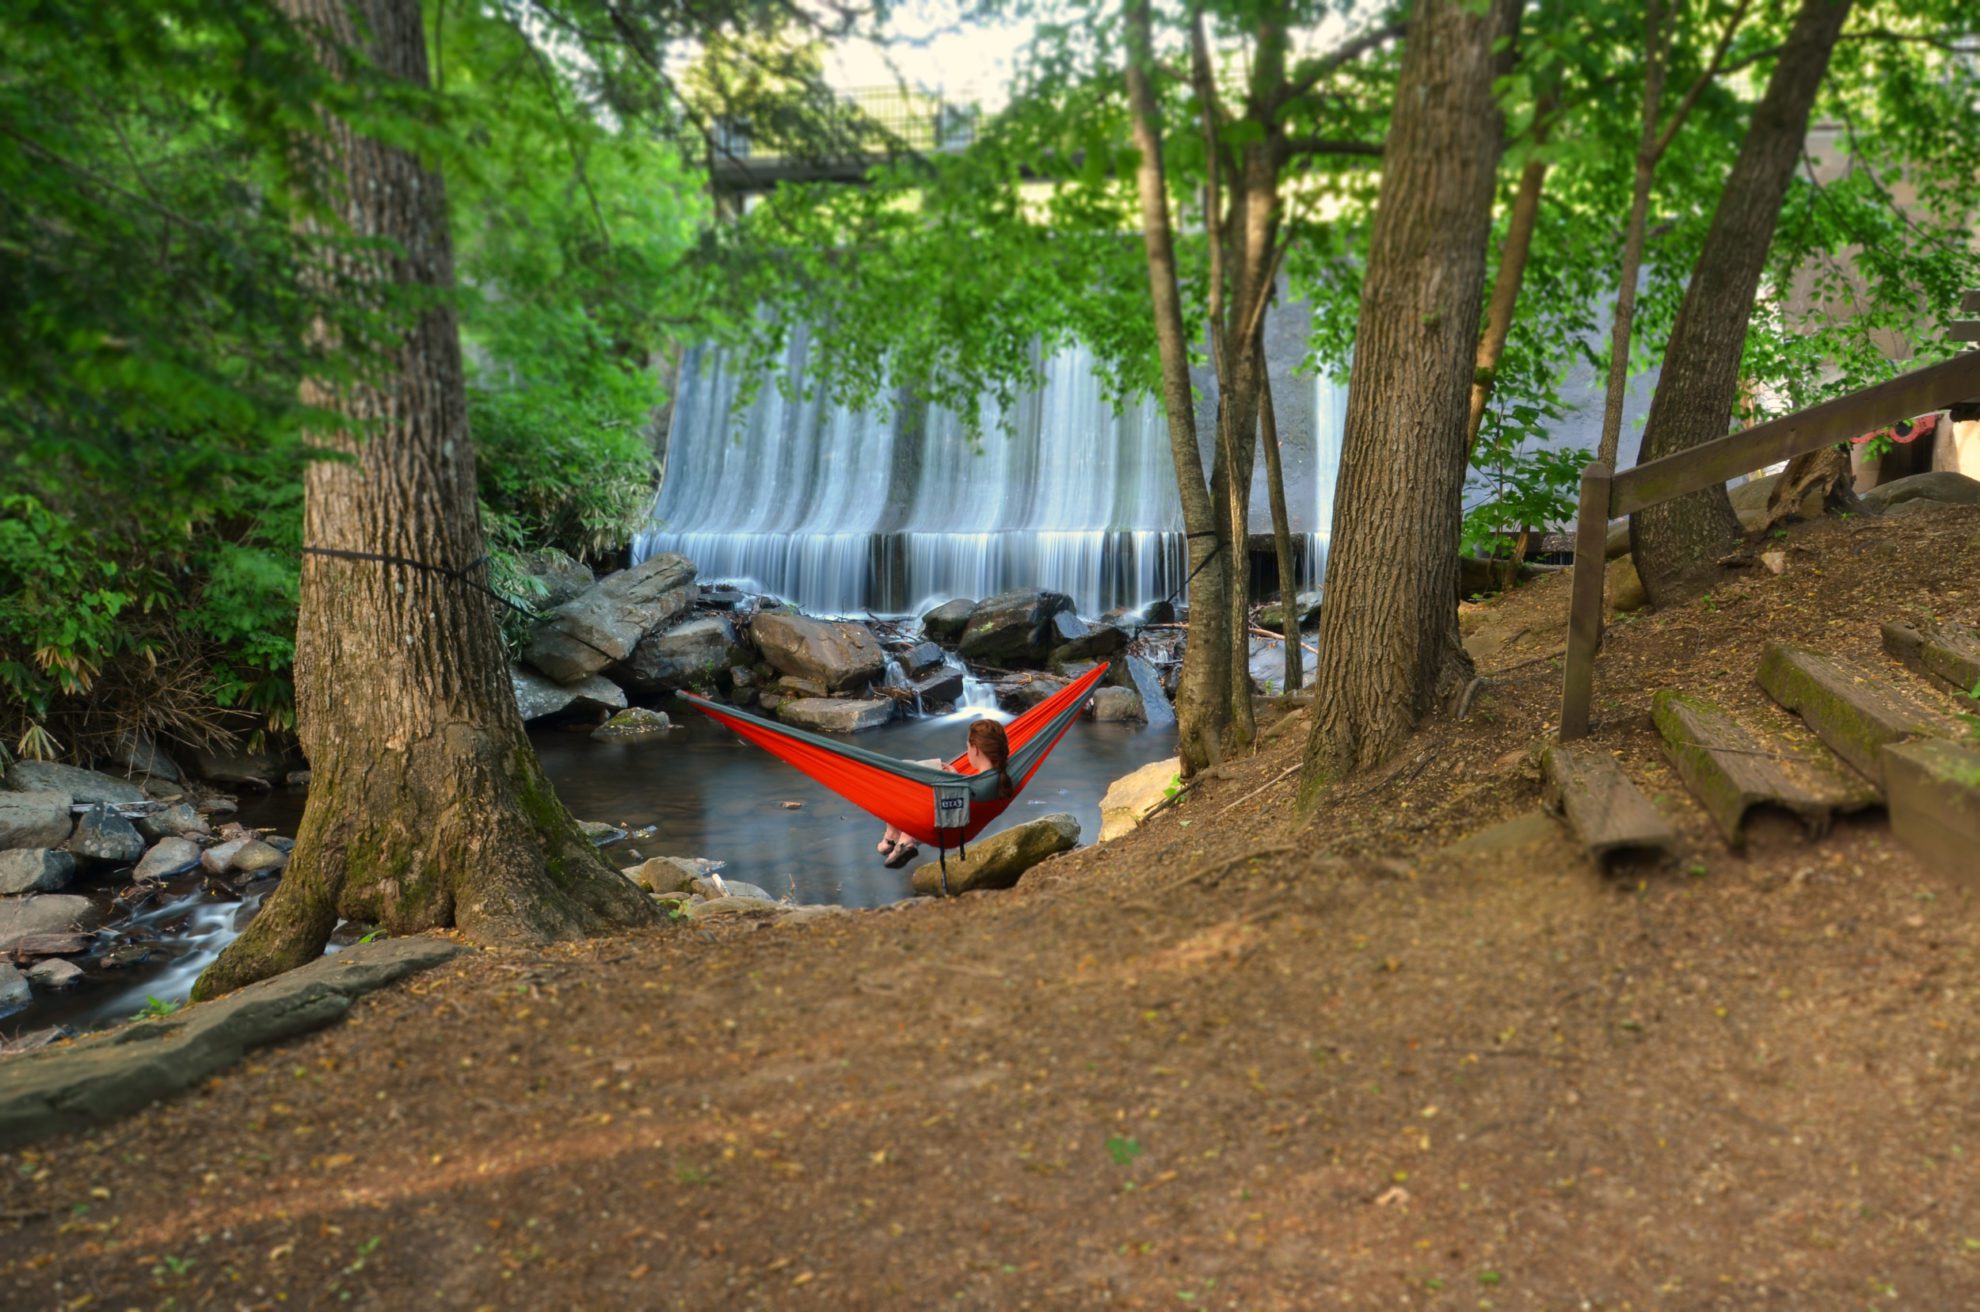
point(168, 857)
point(1154, 698)
point(40, 819)
point(999, 860)
point(255, 857)
point(1015, 628)
point(124, 956)
point(563, 577)
point(254, 769)
point(14, 990)
point(51, 945)
point(741, 677)
point(729, 906)
point(84, 786)
point(922, 659)
point(1920, 506)
point(1617, 543)
point(1102, 642)
point(600, 833)
point(215, 860)
point(103, 835)
point(1749, 502)
point(1118, 706)
point(792, 686)
point(54, 975)
point(1937, 485)
point(140, 758)
point(48, 913)
point(99, 1077)
point(633, 722)
point(1623, 588)
point(1027, 694)
point(298, 778)
point(709, 889)
point(177, 821)
point(1775, 561)
point(1130, 797)
point(537, 696)
point(722, 598)
point(837, 653)
point(836, 714)
point(947, 621)
point(1159, 612)
point(667, 874)
point(1273, 617)
point(1068, 627)
point(35, 870)
point(602, 625)
point(945, 685)
point(689, 655)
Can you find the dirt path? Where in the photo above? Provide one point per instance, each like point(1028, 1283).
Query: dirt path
point(1374, 1066)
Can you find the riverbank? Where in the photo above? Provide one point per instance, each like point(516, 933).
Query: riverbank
point(1416, 1052)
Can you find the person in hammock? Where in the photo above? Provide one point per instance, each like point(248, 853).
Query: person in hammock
point(989, 749)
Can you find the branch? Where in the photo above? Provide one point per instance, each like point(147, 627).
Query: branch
point(1704, 80)
point(1334, 146)
point(1206, 95)
point(1947, 41)
point(1307, 74)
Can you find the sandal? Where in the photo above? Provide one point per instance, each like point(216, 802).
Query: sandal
point(903, 853)
point(886, 846)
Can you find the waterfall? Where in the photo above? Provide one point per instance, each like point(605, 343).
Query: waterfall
point(845, 512)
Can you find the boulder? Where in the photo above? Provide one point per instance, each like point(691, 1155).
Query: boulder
point(1101, 642)
point(1132, 670)
point(537, 696)
point(1623, 587)
point(1118, 706)
point(837, 653)
point(255, 769)
point(54, 975)
point(103, 835)
point(35, 870)
point(1749, 502)
point(602, 625)
point(1022, 696)
point(563, 578)
point(168, 857)
point(1307, 606)
point(14, 990)
point(1942, 485)
point(792, 686)
point(215, 860)
point(729, 906)
point(947, 621)
point(1159, 612)
point(836, 714)
point(633, 722)
point(668, 874)
point(85, 786)
point(708, 888)
point(922, 658)
point(690, 655)
point(999, 860)
point(1017, 628)
point(257, 858)
point(1919, 506)
point(944, 685)
point(1132, 796)
point(48, 913)
point(39, 819)
point(177, 821)
point(138, 756)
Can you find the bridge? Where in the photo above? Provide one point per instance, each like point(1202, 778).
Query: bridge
point(835, 140)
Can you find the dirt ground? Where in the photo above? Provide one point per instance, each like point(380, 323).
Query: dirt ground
point(1416, 1054)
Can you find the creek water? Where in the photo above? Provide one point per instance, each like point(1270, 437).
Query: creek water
point(697, 788)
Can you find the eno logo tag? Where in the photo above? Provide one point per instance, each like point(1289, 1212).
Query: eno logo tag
point(951, 808)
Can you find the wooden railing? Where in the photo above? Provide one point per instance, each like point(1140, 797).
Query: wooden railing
point(1607, 495)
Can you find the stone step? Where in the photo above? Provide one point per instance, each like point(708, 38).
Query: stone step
point(1944, 653)
point(1607, 813)
point(1853, 715)
point(1934, 789)
point(1732, 773)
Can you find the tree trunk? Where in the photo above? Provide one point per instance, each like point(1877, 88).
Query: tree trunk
point(1389, 649)
point(427, 807)
point(1677, 543)
point(1203, 701)
point(1505, 287)
point(1275, 486)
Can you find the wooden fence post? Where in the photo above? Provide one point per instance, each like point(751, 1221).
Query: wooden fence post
point(1591, 540)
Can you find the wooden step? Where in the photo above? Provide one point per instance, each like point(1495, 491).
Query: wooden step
point(1855, 717)
point(1609, 816)
point(1945, 653)
point(1934, 789)
point(1732, 773)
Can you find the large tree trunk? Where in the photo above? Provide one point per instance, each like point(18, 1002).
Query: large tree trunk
point(1203, 701)
point(427, 807)
point(1677, 544)
point(1389, 650)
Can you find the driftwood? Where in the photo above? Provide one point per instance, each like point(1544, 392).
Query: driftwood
point(1280, 637)
point(1825, 468)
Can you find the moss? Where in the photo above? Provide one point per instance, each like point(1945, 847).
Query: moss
point(1853, 718)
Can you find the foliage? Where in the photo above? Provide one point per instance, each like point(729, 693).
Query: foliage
point(1528, 484)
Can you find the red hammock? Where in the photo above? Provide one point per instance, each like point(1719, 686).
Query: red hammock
point(931, 805)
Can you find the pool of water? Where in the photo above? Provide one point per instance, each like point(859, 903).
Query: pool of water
point(696, 790)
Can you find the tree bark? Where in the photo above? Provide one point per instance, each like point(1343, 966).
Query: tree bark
point(1268, 437)
point(1676, 544)
point(1505, 288)
point(427, 807)
point(1202, 701)
point(1389, 648)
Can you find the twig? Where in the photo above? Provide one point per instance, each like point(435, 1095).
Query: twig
point(1282, 849)
point(1261, 788)
point(1280, 637)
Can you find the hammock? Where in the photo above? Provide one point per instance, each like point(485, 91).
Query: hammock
point(931, 805)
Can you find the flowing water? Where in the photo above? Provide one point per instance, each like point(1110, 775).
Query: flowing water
point(846, 511)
